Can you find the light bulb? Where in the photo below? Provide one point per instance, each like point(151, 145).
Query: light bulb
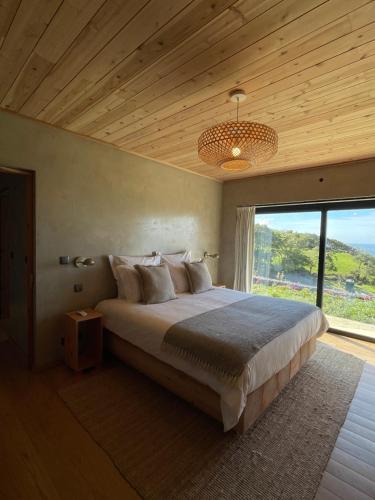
point(236, 151)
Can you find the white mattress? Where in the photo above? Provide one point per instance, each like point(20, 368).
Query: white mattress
point(146, 325)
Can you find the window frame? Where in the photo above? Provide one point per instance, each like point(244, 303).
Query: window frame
point(324, 207)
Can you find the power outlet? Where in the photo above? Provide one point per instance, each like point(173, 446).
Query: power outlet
point(78, 287)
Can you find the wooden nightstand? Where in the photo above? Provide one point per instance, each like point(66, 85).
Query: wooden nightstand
point(83, 339)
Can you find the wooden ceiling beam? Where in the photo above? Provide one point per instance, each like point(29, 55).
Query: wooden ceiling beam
point(235, 36)
point(8, 11)
point(270, 117)
point(50, 48)
point(190, 33)
point(341, 52)
point(351, 110)
point(230, 70)
point(148, 76)
point(291, 94)
point(110, 19)
point(29, 23)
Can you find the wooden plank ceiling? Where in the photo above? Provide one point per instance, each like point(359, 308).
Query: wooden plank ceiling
point(149, 75)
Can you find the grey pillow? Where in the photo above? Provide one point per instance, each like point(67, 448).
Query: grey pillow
point(199, 277)
point(157, 284)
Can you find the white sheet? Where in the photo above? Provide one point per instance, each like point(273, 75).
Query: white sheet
point(145, 326)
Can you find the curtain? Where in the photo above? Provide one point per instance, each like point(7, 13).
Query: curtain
point(244, 249)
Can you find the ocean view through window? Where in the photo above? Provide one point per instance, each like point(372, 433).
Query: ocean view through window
point(322, 254)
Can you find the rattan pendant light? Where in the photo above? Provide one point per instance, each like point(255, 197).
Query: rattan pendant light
point(237, 145)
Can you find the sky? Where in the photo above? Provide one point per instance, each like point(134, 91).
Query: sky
point(348, 226)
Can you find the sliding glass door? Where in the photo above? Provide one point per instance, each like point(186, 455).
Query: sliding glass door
point(322, 254)
point(349, 277)
point(286, 255)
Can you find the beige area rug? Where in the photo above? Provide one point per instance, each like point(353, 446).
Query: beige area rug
point(166, 449)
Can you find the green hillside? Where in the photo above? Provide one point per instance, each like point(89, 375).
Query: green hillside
point(290, 252)
point(286, 264)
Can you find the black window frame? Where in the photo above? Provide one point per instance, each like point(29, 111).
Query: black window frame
point(323, 207)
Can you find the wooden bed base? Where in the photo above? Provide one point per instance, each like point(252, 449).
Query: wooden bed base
point(200, 395)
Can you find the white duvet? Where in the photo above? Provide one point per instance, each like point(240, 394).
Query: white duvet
point(146, 325)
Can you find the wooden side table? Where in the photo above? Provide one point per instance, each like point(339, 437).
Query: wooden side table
point(83, 339)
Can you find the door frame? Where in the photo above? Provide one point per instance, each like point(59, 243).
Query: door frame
point(31, 256)
point(324, 207)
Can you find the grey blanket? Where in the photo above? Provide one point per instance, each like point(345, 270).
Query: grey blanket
point(225, 339)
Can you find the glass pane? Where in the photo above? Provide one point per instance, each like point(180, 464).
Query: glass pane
point(349, 285)
point(286, 255)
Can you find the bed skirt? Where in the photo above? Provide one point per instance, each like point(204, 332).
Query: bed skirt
point(200, 395)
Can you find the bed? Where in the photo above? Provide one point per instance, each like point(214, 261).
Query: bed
point(135, 333)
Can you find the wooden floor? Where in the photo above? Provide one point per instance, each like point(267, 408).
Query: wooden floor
point(45, 453)
point(363, 350)
point(350, 472)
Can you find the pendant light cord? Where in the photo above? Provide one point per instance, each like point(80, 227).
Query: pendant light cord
point(238, 104)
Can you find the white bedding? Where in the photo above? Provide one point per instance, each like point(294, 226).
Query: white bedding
point(145, 326)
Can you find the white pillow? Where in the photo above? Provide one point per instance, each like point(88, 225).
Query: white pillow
point(118, 260)
point(184, 256)
point(129, 283)
point(175, 263)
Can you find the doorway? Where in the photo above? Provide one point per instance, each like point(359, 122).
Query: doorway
point(17, 259)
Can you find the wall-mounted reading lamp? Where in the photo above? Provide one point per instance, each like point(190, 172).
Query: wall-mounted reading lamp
point(84, 261)
point(210, 255)
point(78, 261)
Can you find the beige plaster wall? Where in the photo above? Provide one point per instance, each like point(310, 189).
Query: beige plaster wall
point(321, 183)
point(92, 200)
